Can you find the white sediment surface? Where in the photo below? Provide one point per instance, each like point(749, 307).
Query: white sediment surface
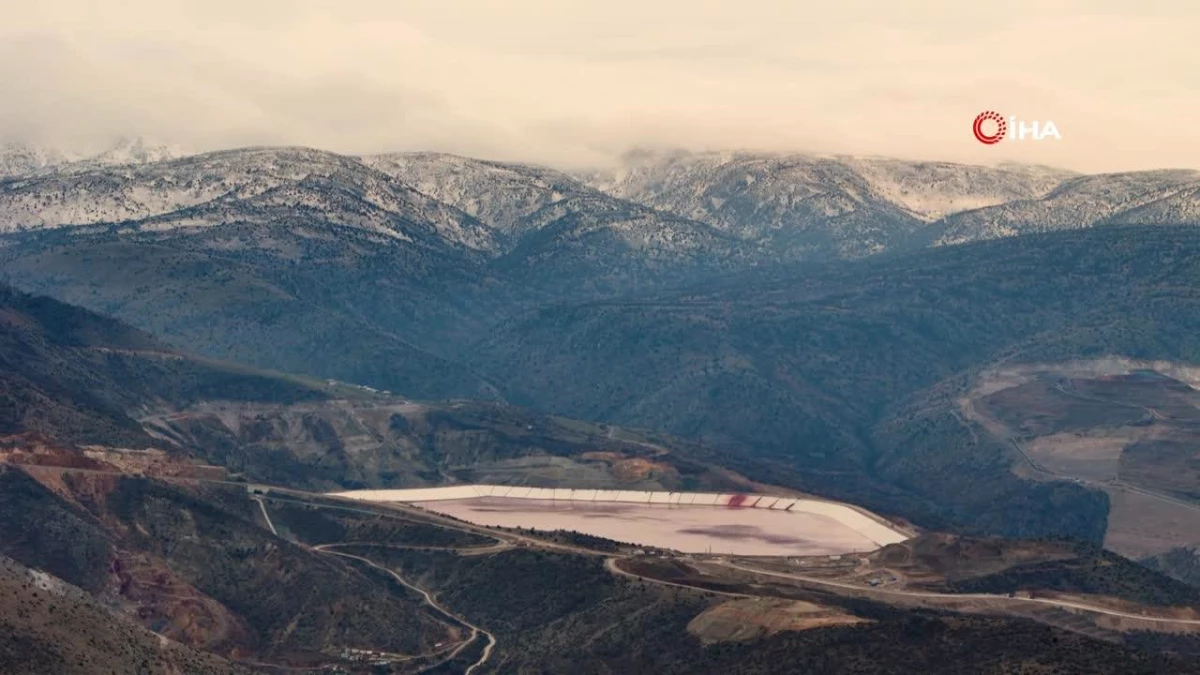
point(691, 522)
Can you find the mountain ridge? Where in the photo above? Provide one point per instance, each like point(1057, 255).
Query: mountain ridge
point(22, 158)
point(775, 206)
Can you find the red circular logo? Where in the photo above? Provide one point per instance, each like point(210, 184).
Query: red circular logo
point(1001, 128)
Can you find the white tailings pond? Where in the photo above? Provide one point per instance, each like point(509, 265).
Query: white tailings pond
point(691, 522)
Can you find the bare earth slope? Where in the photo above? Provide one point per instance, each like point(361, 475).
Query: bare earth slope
point(1126, 427)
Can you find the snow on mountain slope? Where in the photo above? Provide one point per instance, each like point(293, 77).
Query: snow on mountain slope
point(637, 226)
point(269, 180)
point(132, 151)
point(562, 233)
point(692, 182)
point(821, 206)
point(806, 204)
point(19, 159)
point(1080, 202)
point(497, 193)
point(24, 159)
point(593, 243)
point(1181, 207)
point(665, 206)
point(557, 224)
point(932, 190)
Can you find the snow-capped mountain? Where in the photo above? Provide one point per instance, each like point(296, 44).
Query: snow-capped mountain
point(817, 206)
point(138, 150)
point(286, 258)
point(20, 159)
point(24, 159)
point(499, 194)
point(1180, 207)
point(290, 257)
point(1135, 198)
point(249, 185)
point(611, 245)
point(932, 190)
point(806, 206)
point(798, 206)
point(712, 210)
point(558, 227)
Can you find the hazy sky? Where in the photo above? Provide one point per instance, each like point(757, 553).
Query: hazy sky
point(578, 81)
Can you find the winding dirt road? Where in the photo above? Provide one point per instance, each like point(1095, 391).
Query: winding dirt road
point(476, 631)
point(876, 592)
point(509, 539)
point(613, 566)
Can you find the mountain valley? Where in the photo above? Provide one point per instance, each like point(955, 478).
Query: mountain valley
point(932, 342)
point(189, 544)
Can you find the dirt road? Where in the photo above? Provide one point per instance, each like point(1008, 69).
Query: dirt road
point(409, 513)
point(961, 596)
point(266, 516)
point(1115, 484)
point(476, 631)
point(614, 567)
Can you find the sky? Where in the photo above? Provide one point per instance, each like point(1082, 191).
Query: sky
point(578, 82)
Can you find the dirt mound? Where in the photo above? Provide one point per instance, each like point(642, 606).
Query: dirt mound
point(755, 618)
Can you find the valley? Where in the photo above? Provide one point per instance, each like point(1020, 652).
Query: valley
point(1101, 616)
point(618, 338)
point(925, 572)
point(1001, 391)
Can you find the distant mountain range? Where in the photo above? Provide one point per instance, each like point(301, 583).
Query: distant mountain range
point(779, 304)
point(751, 207)
point(412, 254)
point(814, 323)
point(808, 207)
point(387, 269)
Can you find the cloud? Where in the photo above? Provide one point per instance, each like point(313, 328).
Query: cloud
point(574, 82)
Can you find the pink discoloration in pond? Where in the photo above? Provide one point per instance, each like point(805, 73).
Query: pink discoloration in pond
point(690, 529)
